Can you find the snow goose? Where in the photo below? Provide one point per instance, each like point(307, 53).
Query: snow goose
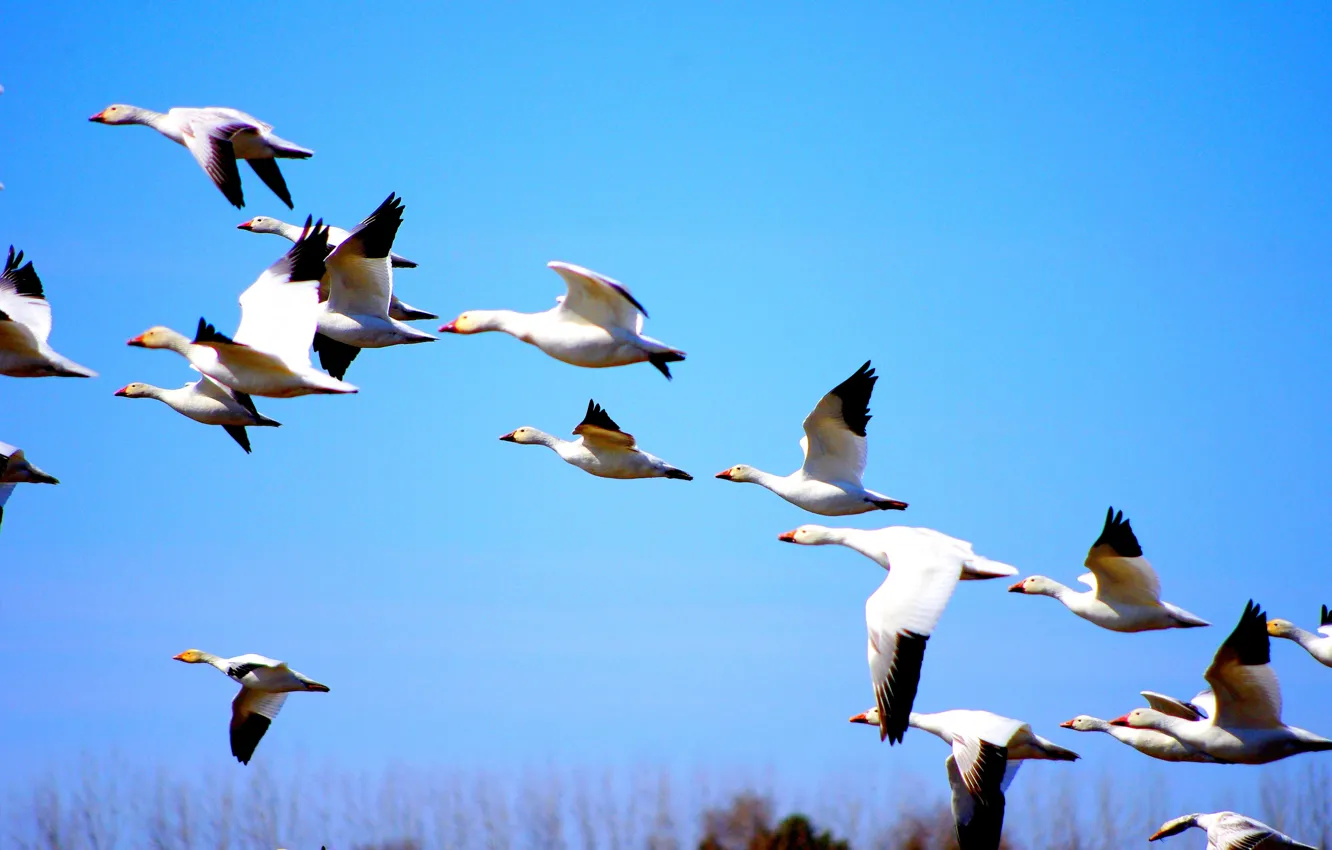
point(828, 482)
point(398, 309)
point(1246, 727)
point(264, 683)
point(360, 288)
point(872, 544)
point(1125, 593)
point(987, 751)
point(270, 353)
point(15, 469)
point(217, 136)
point(1230, 831)
point(1158, 745)
point(601, 449)
point(1319, 645)
point(208, 402)
point(597, 324)
point(25, 325)
point(924, 568)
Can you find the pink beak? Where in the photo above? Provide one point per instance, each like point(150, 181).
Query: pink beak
point(1017, 588)
point(245, 225)
point(450, 328)
point(508, 438)
point(787, 537)
point(98, 116)
point(1120, 721)
point(121, 391)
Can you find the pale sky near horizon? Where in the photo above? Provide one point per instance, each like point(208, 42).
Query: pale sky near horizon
point(1086, 248)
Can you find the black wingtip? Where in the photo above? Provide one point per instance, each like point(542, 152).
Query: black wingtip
point(660, 360)
point(22, 277)
point(239, 434)
point(207, 333)
point(897, 695)
point(1326, 618)
point(1250, 640)
point(855, 394)
point(306, 257)
point(1117, 533)
point(597, 417)
point(334, 356)
point(380, 228)
point(679, 474)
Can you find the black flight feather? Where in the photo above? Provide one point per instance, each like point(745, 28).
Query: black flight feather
point(661, 359)
point(239, 434)
point(240, 670)
point(268, 171)
point(305, 260)
point(22, 279)
point(244, 400)
point(1118, 535)
point(1326, 618)
point(855, 394)
point(380, 228)
point(334, 356)
point(597, 417)
point(208, 333)
point(245, 736)
point(1249, 641)
point(4, 317)
point(895, 696)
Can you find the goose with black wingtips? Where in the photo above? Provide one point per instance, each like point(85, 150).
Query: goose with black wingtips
point(602, 449)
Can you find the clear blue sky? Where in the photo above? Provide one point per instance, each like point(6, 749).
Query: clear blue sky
point(1086, 248)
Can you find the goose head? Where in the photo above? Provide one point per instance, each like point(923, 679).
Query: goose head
point(261, 224)
point(1083, 723)
point(525, 435)
point(191, 656)
point(810, 535)
point(1174, 827)
point(136, 390)
point(1035, 586)
point(1139, 718)
point(473, 322)
point(158, 337)
point(1281, 628)
point(740, 472)
point(869, 718)
point(119, 113)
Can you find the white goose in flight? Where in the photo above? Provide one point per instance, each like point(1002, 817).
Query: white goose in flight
point(1231, 831)
point(1125, 593)
point(15, 469)
point(25, 325)
point(208, 402)
point(264, 683)
point(360, 290)
point(217, 136)
point(270, 354)
point(1246, 727)
point(987, 751)
point(398, 309)
point(923, 569)
point(829, 481)
point(601, 449)
point(1158, 745)
point(597, 324)
point(1318, 645)
point(873, 545)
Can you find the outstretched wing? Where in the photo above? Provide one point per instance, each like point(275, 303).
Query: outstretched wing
point(22, 299)
point(1248, 694)
point(1117, 564)
point(598, 428)
point(599, 299)
point(251, 714)
point(210, 142)
point(280, 310)
point(361, 274)
point(834, 441)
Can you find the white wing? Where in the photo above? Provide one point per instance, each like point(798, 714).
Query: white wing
point(834, 441)
point(978, 821)
point(900, 616)
point(251, 713)
point(280, 310)
point(1174, 707)
point(209, 139)
point(1233, 831)
point(1121, 572)
point(22, 299)
point(599, 299)
point(360, 271)
point(1248, 695)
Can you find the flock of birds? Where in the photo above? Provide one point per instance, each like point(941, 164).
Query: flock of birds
point(333, 291)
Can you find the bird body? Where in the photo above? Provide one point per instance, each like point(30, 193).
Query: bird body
point(1246, 727)
point(1149, 742)
point(1125, 593)
point(601, 449)
point(25, 326)
point(1230, 831)
point(265, 683)
point(597, 325)
point(218, 136)
point(828, 483)
point(208, 402)
point(873, 544)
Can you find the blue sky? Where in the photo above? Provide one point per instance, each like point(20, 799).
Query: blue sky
point(1086, 248)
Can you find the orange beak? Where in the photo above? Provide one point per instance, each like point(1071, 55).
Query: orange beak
point(509, 438)
point(245, 225)
point(450, 328)
point(1120, 721)
point(1067, 724)
point(99, 117)
point(860, 718)
point(137, 342)
point(178, 657)
point(725, 475)
point(785, 536)
point(121, 392)
point(1016, 588)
